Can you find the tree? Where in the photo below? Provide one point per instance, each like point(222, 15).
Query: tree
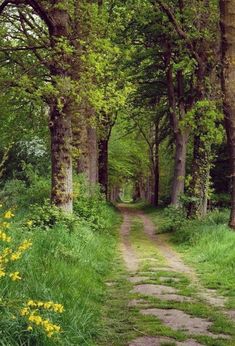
point(59, 34)
point(228, 86)
point(200, 43)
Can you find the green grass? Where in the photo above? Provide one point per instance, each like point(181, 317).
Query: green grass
point(143, 247)
point(67, 268)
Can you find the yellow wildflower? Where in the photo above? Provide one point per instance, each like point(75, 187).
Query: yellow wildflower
point(15, 276)
point(31, 303)
point(30, 223)
point(15, 256)
point(25, 245)
point(2, 273)
point(35, 319)
point(58, 308)
point(5, 237)
point(24, 312)
point(31, 311)
point(8, 214)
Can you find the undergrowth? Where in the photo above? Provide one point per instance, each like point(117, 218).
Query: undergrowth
point(67, 264)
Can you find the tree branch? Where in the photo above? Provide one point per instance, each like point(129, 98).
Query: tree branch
point(182, 34)
point(38, 8)
point(43, 14)
point(13, 49)
point(3, 5)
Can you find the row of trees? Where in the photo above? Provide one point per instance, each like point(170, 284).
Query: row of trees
point(176, 68)
point(151, 67)
point(60, 55)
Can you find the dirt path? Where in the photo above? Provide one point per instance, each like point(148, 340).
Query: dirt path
point(167, 292)
point(129, 255)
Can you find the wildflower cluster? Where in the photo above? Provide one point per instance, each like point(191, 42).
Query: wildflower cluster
point(8, 254)
point(32, 311)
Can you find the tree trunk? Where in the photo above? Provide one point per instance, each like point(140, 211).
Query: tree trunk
point(136, 193)
point(155, 196)
point(180, 138)
point(103, 166)
point(80, 143)
point(85, 139)
point(62, 179)
point(200, 178)
point(179, 168)
point(156, 174)
point(202, 157)
point(61, 109)
point(92, 155)
point(228, 86)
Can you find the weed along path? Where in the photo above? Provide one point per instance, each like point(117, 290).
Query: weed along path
point(158, 300)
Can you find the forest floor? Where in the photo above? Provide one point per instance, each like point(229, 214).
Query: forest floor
point(156, 299)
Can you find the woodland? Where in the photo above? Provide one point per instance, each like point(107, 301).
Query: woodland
point(118, 129)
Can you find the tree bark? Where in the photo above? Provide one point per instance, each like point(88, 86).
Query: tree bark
point(228, 87)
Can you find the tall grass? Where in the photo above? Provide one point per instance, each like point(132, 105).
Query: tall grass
point(66, 265)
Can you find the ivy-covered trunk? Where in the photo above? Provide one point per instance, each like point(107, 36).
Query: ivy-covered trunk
point(61, 108)
point(227, 9)
point(202, 156)
point(61, 159)
point(199, 185)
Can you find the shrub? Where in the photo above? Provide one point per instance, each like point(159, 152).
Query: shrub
point(12, 191)
point(221, 200)
point(46, 216)
point(90, 205)
point(173, 219)
point(20, 194)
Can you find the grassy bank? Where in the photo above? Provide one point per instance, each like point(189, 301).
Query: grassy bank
point(207, 244)
point(65, 265)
